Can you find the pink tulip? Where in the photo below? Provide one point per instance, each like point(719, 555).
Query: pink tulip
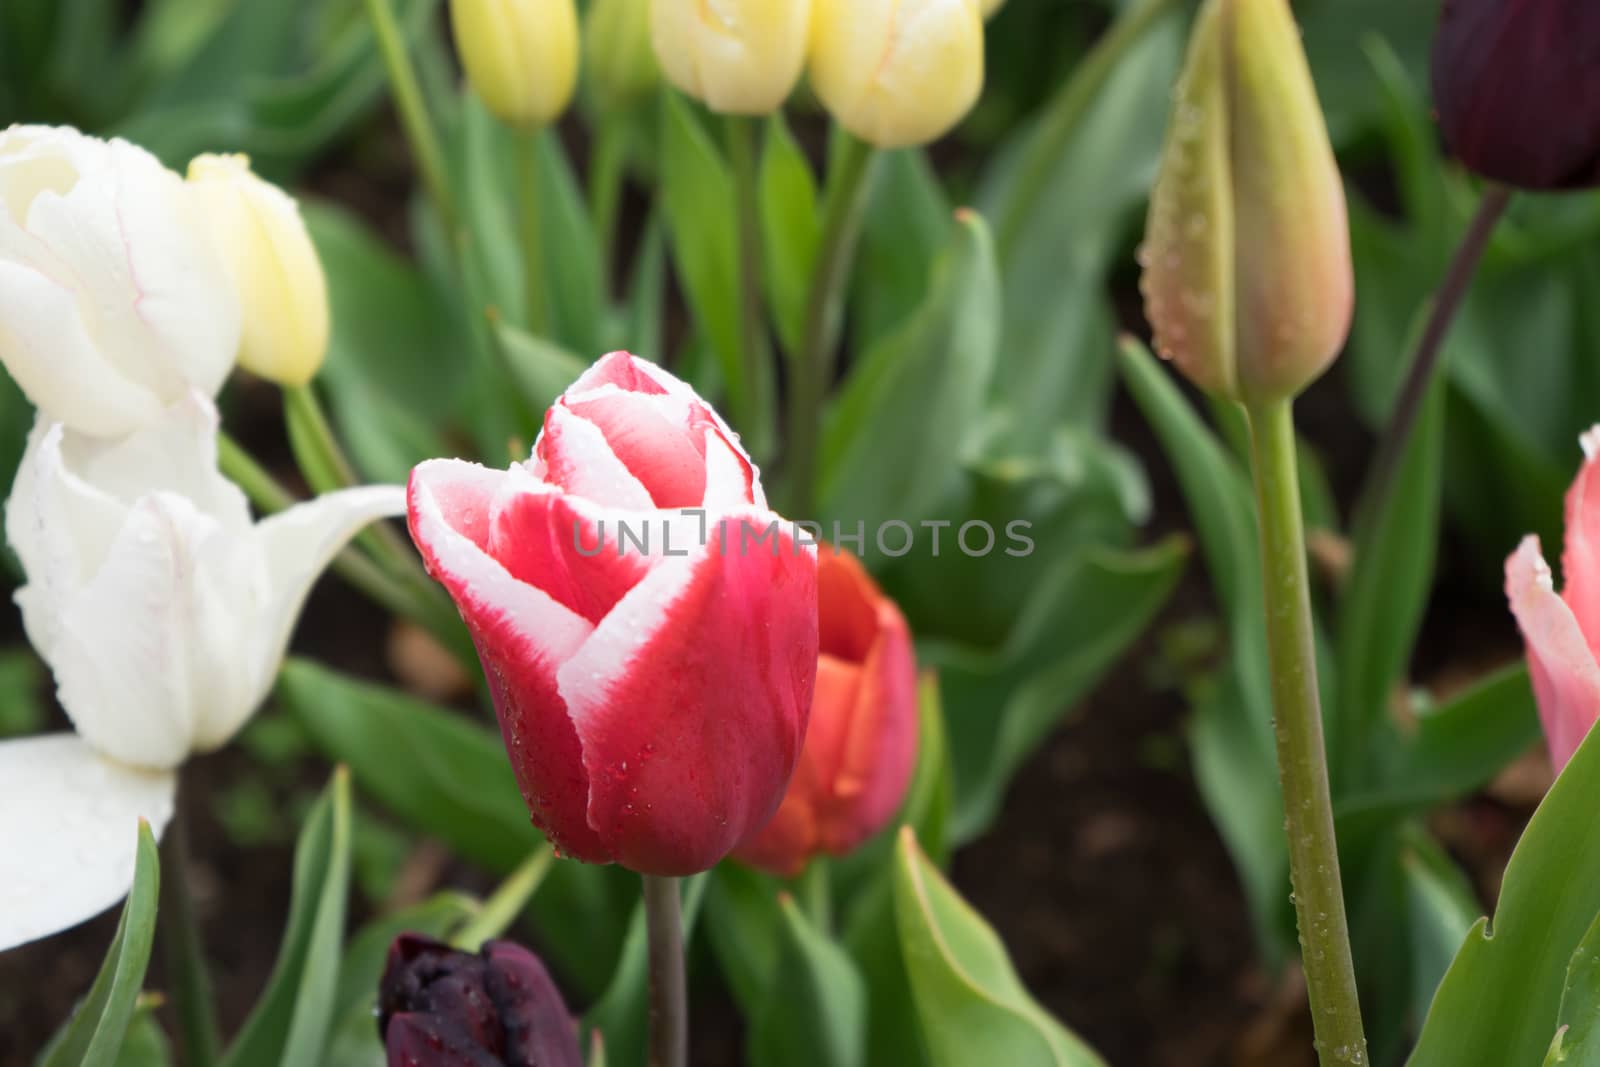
point(653, 696)
point(862, 743)
point(1562, 632)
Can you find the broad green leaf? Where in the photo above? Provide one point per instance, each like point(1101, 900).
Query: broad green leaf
point(543, 369)
point(1500, 1001)
point(1001, 703)
point(621, 1014)
point(1381, 610)
point(972, 1006)
point(146, 1044)
point(697, 197)
point(1576, 1043)
point(389, 376)
point(816, 1013)
point(354, 1042)
point(745, 925)
point(643, 325)
point(440, 772)
point(790, 229)
point(907, 222)
point(571, 254)
point(95, 1034)
point(893, 1030)
point(290, 1023)
point(930, 796)
point(1442, 908)
point(891, 441)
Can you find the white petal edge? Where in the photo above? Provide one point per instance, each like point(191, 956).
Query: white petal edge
point(69, 832)
point(597, 473)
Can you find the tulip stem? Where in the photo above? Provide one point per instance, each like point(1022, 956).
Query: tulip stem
point(413, 109)
point(608, 159)
point(669, 992)
point(183, 952)
point(1425, 360)
point(536, 310)
point(755, 358)
point(844, 205)
point(1064, 114)
point(1302, 757)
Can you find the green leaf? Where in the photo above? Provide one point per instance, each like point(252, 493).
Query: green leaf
point(892, 439)
point(790, 229)
point(697, 197)
point(815, 1015)
point(146, 1044)
point(95, 1034)
point(571, 252)
point(893, 1030)
point(1382, 607)
point(745, 925)
point(291, 1021)
point(1001, 703)
point(907, 222)
point(643, 327)
point(437, 770)
point(1576, 1043)
point(1500, 1001)
point(543, 369)
point(930, 797)
point(972, 1005)
point(621, 1013)
point(1441, 907)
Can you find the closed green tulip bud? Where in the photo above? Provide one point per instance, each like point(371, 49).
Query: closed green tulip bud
point(617, 54)
point(521, 56)
point(1247, 280)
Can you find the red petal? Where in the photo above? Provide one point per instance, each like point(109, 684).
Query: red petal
point(692, 697)
point(661, 452)
point(621, 369)
point(847, 600)
point(546, 540)
point(522, 636)
point(1566, 678)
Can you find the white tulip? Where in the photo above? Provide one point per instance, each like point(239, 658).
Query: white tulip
point(164, 613)
point(113, 300)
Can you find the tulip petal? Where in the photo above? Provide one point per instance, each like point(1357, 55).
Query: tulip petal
point(691, 700)
point(522, 634)
point(651, 440)
point(537, 1027)
point(1580, 559)
point(551, 541)
point(625, 371)
point(880, 751)
point(68, 832)
point(295, 547)
point(1566, 678)
point(573, 453)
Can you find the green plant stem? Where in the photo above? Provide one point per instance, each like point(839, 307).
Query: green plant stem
point(1302, 759)
point(183, 950)
point(608, 158)
point(1424, 361)
point(426, 605)
point(507, 902)
point(815, 893)
point(537, 312)
point(413, 109)
point(755, 356)
point(1065, 112)
point(669, 992)
point(843, 207)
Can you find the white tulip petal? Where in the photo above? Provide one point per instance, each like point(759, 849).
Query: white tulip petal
point(69, 832)
point(62, 369)
point(295, 547)
point(124, 652)
point(581, 461)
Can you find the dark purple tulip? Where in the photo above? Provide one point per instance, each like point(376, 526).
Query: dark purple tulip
point(439, 1007)
point(1517, 87)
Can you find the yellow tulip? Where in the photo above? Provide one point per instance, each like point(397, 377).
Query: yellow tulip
point(283, 295)
point(521, 56)
point(1247, 278)
point(739, 57)
point(897, 72)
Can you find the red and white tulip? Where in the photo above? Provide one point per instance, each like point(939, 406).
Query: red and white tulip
point(653, 698)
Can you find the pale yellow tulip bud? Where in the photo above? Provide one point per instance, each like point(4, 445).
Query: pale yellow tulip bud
point(1247, 278)
point(521, 56)
point(987, 8)
point(283, 295)
point(739, 57)
point(617, 53)
point(897, 72)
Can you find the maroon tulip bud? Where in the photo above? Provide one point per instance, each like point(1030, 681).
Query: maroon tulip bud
point(440, 1007)
point(1517, 87)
